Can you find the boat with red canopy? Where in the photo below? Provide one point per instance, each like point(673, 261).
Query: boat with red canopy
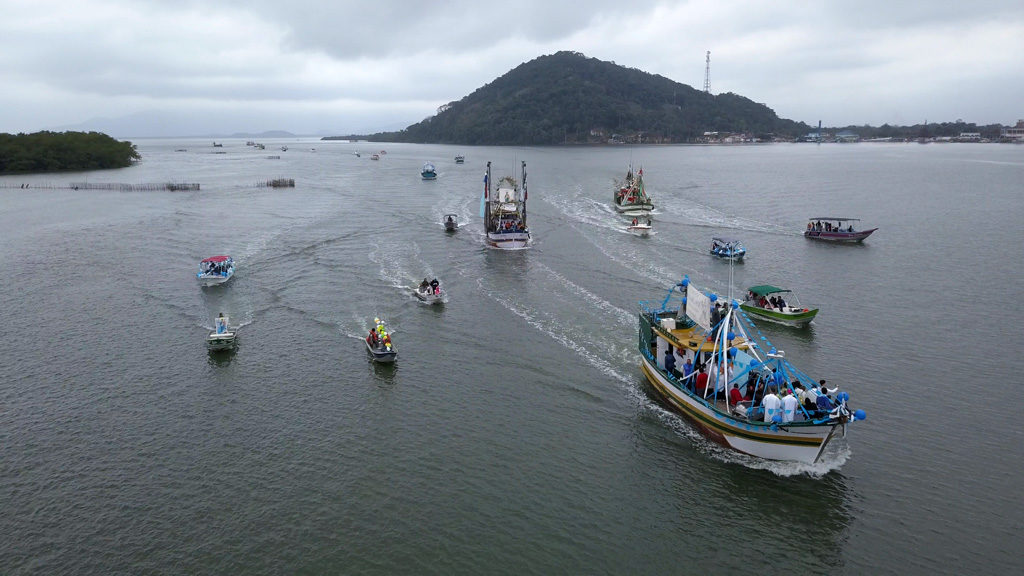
point(215, 270)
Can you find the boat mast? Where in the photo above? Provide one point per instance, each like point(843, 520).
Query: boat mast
point(522, 216)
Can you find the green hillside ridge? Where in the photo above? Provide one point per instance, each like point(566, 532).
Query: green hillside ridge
point(569, 98)
point(60, 151)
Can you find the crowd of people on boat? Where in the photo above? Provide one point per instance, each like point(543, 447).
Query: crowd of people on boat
point(507, 225)
point(761, 397)
point(827, 227)
point(216, 268)
point(772, 302)
point(379, 338)
point(430, 287)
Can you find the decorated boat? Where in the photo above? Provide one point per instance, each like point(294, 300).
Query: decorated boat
point(430, 292)
point(460, 159)
point(504, 212)
point(428, 172)
point(631, 196)
point(215, 270)
point(777, 305)
point(759, 418)
point(223, 335)
point(379, 345)
point(451, 222)
point(834, 229)
point(727, 248)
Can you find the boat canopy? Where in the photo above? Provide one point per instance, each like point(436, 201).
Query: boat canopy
point(217, 259)
point(725, 240)
point(428, 167)
point(766, 289)
point(834, 219)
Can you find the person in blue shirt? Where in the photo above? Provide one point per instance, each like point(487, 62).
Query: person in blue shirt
point(824, 403)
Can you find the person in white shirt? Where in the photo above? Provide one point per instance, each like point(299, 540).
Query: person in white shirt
point(771, 403)
point(788, 406)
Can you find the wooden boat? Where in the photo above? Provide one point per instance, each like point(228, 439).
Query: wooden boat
point(504, 212)
point(631, 197)
point(451, 222)
point(767, 302)
point(719, 340)
point(215, 270)
point(223, 336)
point(379, 345)
point(842, 231)
point(727, 248)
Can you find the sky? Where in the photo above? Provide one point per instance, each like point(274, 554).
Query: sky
point(138, 68)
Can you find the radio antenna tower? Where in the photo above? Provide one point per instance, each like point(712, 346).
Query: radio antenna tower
point(707, 73)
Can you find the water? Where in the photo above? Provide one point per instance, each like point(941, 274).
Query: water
point(515, 434)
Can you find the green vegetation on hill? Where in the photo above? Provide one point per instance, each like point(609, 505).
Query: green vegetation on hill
point(57, 151)
point(569, 98)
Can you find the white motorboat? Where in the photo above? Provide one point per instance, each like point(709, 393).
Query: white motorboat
point(640, 227)
point(223, 336)
point(430, 292)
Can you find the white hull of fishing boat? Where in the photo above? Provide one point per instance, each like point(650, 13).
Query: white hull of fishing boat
point(760, 439)
point(635, 209)
point(508, 240)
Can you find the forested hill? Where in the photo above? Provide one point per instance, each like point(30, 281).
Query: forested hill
point(569, 98)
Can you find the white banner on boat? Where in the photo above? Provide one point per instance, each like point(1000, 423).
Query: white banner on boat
point(698, 307)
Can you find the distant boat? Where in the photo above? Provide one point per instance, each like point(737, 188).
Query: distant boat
point(460, 159)
point(640, 227)
point(777, 305)
point(216, 145)
point(631, 197)
point(727, 248)
point(504, 212)
point(215, 270)
point(284, 148)
point(374, 157)
point(223, 336)
point(842, 231)
point(451, 222)
point(430, 292)
point(428, 172)
point(357, 155)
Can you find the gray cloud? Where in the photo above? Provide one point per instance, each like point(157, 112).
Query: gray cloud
point(309, 65)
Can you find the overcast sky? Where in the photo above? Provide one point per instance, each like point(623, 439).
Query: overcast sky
point(184, 67)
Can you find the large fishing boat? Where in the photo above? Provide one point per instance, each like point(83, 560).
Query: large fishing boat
point(842, 231)
point(215, 270)
point(631, 196)
point(777, 305)
point(723, 345)
point(504, 212)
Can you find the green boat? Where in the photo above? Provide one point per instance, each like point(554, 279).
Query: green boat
point(777, 305)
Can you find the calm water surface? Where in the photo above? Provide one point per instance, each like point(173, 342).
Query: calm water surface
point(515, 435)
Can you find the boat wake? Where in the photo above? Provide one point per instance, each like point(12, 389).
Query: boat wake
point(707, 216)
point(400, 264)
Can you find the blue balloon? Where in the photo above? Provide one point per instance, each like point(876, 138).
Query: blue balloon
point(732, 352)
point(735, 303)
point(713, 297)
point(686, 281)
point(755, 363)
point(731, 335)
point(860, 415)
point(842, 397)
point(777, 418)
point(773, 351)
point(684, 299)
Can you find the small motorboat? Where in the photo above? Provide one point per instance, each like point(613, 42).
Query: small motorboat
point(460, 159)
point(428, 172)
point(378, 344)
point(223, 335)
point(357, 155)
point(215, 270)
point(430, 292)
point(374, 157)
point(727, 248)
point(640, 227)
point(284, 148)
point(451, 222)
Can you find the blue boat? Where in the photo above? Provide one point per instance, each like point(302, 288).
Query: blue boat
point(428, 172)
point(727, 248)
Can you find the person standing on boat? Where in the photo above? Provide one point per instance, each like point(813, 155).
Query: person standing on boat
point(772, 404)
point(788, 406)
point(670, 363)
point(824, 403)
point(702, 381)
point(687, 371)
point(735, 396)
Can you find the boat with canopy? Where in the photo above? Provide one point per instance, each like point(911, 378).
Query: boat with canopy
point(777, 305)
point(428, 172)
point(215, 270)
point(775, 412)
point(834, 229)
point(504, 212)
